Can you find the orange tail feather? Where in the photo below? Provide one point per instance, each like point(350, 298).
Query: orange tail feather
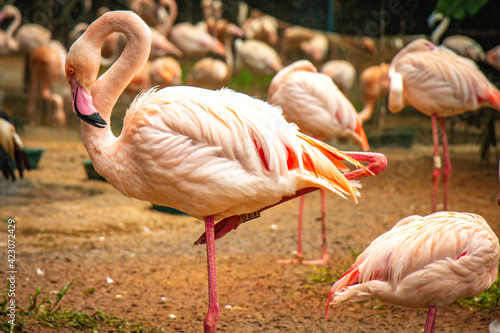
point(494, 98)
point(312, 161)
point(361, 132)
point(347, 279)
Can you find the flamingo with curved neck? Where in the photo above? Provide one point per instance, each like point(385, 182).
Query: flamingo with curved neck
point(212, 154)
point(8, 43)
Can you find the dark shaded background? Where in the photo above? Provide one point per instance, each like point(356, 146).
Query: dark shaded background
point(357, 17)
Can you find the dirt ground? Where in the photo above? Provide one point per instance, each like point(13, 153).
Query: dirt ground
point(72, 228)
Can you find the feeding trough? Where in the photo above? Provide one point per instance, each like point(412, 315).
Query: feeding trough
point(91, 173)
point(34, 155)
point(392, 138)
point(168, 210)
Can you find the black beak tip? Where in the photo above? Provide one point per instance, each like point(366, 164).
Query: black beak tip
point(94, 119)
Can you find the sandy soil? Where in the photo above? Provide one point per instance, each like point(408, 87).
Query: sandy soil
point(84, 230)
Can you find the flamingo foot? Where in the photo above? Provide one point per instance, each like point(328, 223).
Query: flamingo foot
point(318, 262)
point(294, 261)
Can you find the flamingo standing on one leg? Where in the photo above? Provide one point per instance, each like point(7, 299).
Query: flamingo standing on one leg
point(313, 102)
point(228, 153)
point(424, 262)
point(440, 84)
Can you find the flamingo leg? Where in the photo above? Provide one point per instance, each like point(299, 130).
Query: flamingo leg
point(298, 259)
point(430, 323)
point(447, 164)
point(437, 163)
point(213, 314)
point(324, 259)
point(32, 99)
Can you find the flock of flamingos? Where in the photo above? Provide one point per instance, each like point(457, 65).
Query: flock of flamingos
point(224, 157)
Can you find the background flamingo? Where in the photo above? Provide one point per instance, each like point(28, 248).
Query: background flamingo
point(258, 57)
point(161, 72)
point(261, 27)
point(191, 40)
point(313, 102)
point(493, 57)
point(47, 66)
point(439, 84)
point(462, 45)
point(213, 73)
point(235, 150)
point(374, 83)
point(424, 262)
point(316, 48)
point(342, 72)
point(28, 36)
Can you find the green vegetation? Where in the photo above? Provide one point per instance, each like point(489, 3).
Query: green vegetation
point(47, 312)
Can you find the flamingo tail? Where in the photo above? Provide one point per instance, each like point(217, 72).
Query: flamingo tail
point(347, 279)
point(330, 168)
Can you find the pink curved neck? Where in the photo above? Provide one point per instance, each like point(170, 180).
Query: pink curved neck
point(108, 88)
point(172, 15)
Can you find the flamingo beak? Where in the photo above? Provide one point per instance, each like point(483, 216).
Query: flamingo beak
point(83, 105)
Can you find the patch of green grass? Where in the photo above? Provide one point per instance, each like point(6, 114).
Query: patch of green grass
point(45, 311)
point(322, 275)
point(486, 301)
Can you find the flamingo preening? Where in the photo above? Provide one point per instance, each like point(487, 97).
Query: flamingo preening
point(425, 261)
point(440, 84)
point(313, 102)
point(211, 154)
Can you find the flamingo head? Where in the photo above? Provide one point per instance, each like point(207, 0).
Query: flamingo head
point(82, 67)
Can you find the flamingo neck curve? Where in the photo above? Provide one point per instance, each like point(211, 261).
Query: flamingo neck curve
point(109, 86)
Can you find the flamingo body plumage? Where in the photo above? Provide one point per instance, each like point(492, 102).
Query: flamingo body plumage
point(424, 262)
point(440, 84)
point(313, 102)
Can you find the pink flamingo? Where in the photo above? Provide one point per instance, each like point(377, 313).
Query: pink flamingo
point(493, 57)
point(342, 72)
point(213, 73)
point(424, 262)
point(47, 65)
point(261, 27)
point(191, 40)
point(161, 72)
point(317, 47)
point(440, 84)
point(374, 83)
point(212, 154)
point(313, 102)
point(257, 56)
point(28, 37)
